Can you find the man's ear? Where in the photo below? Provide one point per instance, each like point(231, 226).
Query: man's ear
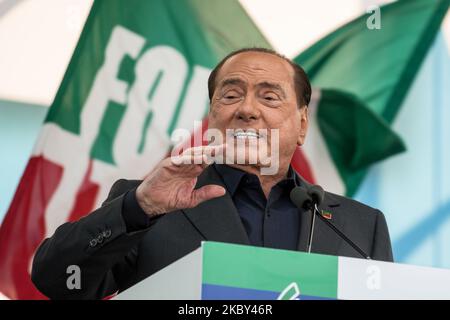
point(304, 122)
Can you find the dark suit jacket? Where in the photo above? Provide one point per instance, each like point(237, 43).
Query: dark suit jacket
point(122, 259)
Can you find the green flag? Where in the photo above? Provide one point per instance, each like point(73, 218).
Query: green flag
point(367, 72)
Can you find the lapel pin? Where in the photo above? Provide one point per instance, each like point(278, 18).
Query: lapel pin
point(326, 214)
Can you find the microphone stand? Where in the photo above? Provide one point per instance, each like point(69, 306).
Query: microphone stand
point(314, 212)
point(311, 227)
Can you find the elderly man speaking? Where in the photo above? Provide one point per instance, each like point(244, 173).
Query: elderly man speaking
point(258, 97)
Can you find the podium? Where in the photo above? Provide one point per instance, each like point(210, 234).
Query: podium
point(237, 272)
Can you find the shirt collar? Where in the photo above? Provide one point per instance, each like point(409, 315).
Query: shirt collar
point(233, 176)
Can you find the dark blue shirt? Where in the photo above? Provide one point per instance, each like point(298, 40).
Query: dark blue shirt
point(273, 222)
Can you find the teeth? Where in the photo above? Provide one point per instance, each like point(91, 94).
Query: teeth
point(246, 134)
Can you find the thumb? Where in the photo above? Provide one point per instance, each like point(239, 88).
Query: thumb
point(206, 193)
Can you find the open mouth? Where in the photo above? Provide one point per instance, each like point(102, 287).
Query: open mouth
point(246, 134)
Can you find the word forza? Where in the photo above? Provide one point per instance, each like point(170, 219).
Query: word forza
point(226, 309)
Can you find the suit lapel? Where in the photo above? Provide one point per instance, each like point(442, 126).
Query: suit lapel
point(217, 219)
point(305, 222)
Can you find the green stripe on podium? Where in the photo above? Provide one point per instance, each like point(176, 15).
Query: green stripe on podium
point(269, 269)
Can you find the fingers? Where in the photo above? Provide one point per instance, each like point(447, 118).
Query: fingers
point(202, 155)
point(207, 150)
point(207, 192)
point(187, 160)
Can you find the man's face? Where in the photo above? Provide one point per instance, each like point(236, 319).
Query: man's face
point(254, 91)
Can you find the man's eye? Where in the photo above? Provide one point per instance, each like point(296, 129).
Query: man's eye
point(231, 95)
point(270, 97)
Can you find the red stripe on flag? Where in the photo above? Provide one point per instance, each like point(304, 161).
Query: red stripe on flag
point(26, 218)
point(86, 195)
point(23, 228)
point(301, 165)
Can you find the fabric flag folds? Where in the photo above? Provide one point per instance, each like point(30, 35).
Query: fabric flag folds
point(366, 74)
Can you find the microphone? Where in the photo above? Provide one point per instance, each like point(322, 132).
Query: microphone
point(316, 193)
point(310, 198)
point(300, 197)
point(306, 198)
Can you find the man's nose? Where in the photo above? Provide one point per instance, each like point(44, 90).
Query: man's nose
point(248, 110)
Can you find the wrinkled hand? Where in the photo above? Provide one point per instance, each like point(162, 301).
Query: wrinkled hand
point(170, 186)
